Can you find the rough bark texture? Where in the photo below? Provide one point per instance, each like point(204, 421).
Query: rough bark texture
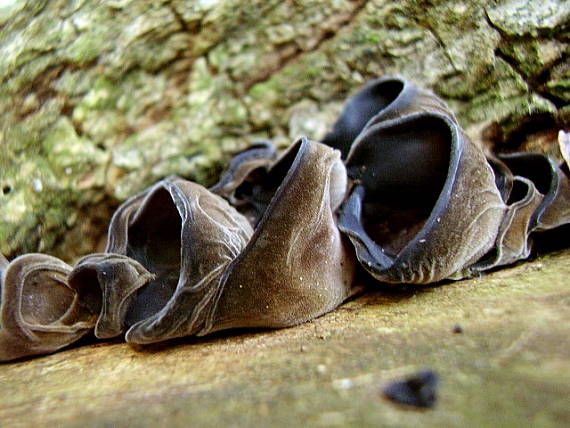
point(98, 99)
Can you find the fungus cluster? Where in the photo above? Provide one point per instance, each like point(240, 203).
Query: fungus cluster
point(395, 191)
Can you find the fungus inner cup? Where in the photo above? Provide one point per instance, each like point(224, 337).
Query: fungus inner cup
point(87, 286)
point(359, 109)
point(403, 168)
point(259, 188)
point(155, 242)
point(535, 167)
point(45, 299)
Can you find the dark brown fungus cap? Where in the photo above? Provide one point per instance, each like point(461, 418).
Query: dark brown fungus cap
point(40, 313)
point(424, 204)
point(185, 236)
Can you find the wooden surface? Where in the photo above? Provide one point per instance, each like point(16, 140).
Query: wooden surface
point(509, 367)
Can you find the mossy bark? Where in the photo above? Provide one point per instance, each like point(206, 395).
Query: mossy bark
point(100, 99)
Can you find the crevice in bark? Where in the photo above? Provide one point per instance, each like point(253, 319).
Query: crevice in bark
point(561, 33)
point(194, 29)
point(16, 71)
point(288, 53)
point(534, 83)
point(442, 44)
point(42, 87)
point(528, 127)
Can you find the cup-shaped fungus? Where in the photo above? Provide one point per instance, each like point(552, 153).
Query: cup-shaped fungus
point(239, 182)
point(550, 181)
point(297, 265)
point(185, 236)
point(522, 201)
point(107, 283)
point(380, 99)
point(40, 313)
point(213, 270)
point(424, 203)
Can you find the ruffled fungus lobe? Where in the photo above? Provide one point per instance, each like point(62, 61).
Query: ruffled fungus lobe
point(167, 247)
point(522, 200)
point(424, 204)
point(552, 183)
point(537, 194)
point(107, 284)
point(381, 99)
point(40, 313)
point(296, 266)
point(240, 182)
point(213, 270)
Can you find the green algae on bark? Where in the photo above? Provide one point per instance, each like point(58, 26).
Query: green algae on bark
point(100, 99)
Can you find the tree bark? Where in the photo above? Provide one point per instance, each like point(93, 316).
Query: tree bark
point(101, 98)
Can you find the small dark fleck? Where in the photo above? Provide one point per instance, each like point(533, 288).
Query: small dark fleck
point(457, 329)
point(418, 390)
point(6, 189)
